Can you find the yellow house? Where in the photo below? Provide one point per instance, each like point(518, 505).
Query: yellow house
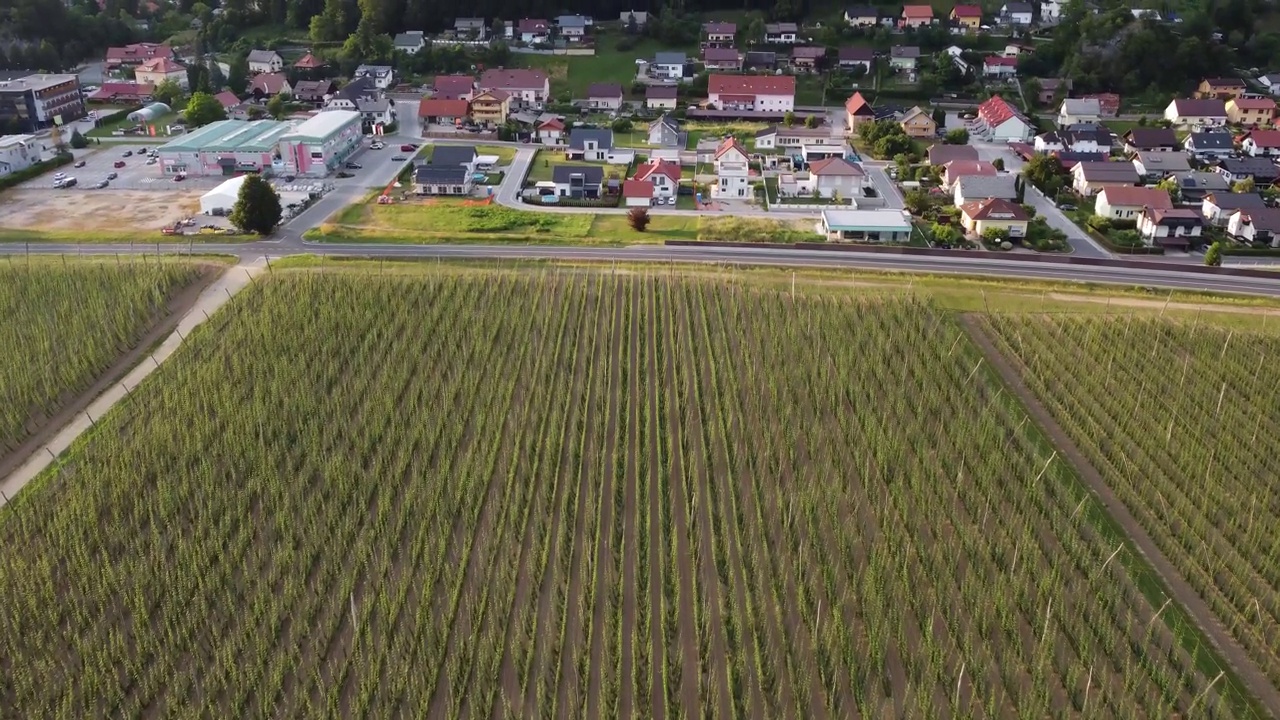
point(919, 124)
point(491, 106)
point(1253, 112)
point(980, 216)
point(967, 17)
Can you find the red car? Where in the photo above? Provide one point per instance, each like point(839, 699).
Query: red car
point(119, 164)
point(408, 148)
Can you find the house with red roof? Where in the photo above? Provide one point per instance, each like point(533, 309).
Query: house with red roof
point(722, 58)
point(1000, 121)
point(227, 99)
point(1261, 143)
point(123, 91)
point(999, 66)
point(1192, 113)
point(309, 62)
point(549, 130)
point(435, 111)
point(758, 93)
point(916, 16)
point(636, 193)
point(957, 169)
point(158, 70)
point(837, 177)
point(662, 175)
point(733, 170)
point(966, 17)
point(136, 54)
point(533, 30)
point(1251, 112)
point(526, 87)
point(857, 111)
point(1108, 103)
point(453, 87)
point(270, 84)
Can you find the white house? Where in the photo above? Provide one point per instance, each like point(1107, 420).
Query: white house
point(604, 96)
point(591, 144)
point(663, 175)
point(733, 170)
point(781, 33)
point(1126, 203)
point(1079, 110)
point(265, 61)
point(1271, 82)
point(379, 111)
point(1155, 166)
point(573, 27)
point(998, 121)
point(1080, 141)
point(1218, 207)
point(1050, 11)
point(759, 93)
point(1015, 13)
point(862, 16)
point(999, 66)
point(18, 152)
point(1261, 143)
point(1168, 227)
point(549, 130)
point(383, 76)
point(665, 132)
point(533, 30)
point(1196, 113)
point(529, 88)
point(668, 65)
point(411, 42)
point(1209, 145)
point(1256, 225)
point(837, 177)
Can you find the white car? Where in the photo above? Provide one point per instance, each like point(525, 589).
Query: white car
point(59, 176)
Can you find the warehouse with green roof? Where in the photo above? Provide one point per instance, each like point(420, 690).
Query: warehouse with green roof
point(225, 148)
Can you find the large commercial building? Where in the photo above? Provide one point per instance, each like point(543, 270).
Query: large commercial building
point(225, 148)
point(39, 101)
point(322, 144)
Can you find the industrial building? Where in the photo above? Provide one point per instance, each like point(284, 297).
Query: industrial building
point(38, 101)
point(322, 144)
point(226, 148)
point(19, 152)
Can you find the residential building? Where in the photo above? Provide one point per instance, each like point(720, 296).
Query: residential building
point(719, 34)
point(808, 59)
point(269, 85)
point(463, 156)
point(1120, 202)
point(1154, 166)
point(1079, 110)
point(1218, 207)
point(1209, 145)
point(786, 33)
point(470, 28)
point(733, 170)
point(904, 57)
point(1270, 81)
point(637, 193)
point(453, 87)
point(1008, 218)
point(590, 144)
point(1193, 186)
point(578, 182)
point(970, 188)
point(1220, 88)
point(967, 17)
point(225, 148)
point(383, 76)
point(159, 70)
point(320, 145)
point(758, 93)
point(604, 96)
point(780, 137)
point(1251, 112)
point(348, 96)
point(1069, 159)
point(665, 132)
point(573, 28)
point(19, 152)
point(1050, 11)
point(850, 58)
point(40, 100)
point(1049, 89)
point(866, 225)
point(760, 61)
point(314, 92)
point(1160, 139)
point(433, 179)
point(1076, 141)
point(999, 66)
point(662, 175)
point(858, 111)
point(1260, 169)
point(722, 58)
point(943, 154)
point(136, 54)
point(1261, 143)
point(549, 130)
point(1196, 114)
point(309, 65)
point(1109, 103)
point(862, 16)
point(1259, 225)
point(1168, 227)
point(227, 100)
point(668, 65)
point(121, 91)
point(265, 61)
point(957, 169)
point(377, 111)
point(914, 16)
point(1087, 178)
point(919, 124)
point(638, 17)
point(490, 107)
point(411, 42)
point(527, 87)
point(998, 121)
point(532, 31)
point(1017, 14)
point(660, 97)
point(837, 178)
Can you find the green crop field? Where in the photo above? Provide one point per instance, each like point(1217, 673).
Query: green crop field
point(1180, 419)
point(64, 324)
point(564, 493)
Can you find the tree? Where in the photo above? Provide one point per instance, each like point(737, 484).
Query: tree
point(959, 136)
point(257, 208)
point(167, 92)
point(1213, 256)
point(917, 201)
point(1247, 185)
point(275, 107)
point(238, 74)
point(998, 163)
point(811, 121)
point(77, 140)
point(1170, 185)
point(939, 117)
point(993, 236)
point(203, 109)
point(1020, 189)
point(330, 24)
point(638, 219)
point(1045, 172)
point(788, 118)
point(753, 33)
point(622, 125)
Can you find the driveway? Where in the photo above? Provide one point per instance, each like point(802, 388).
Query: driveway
point(886, 187)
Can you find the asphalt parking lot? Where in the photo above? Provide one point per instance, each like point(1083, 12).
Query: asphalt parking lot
point(135, 175)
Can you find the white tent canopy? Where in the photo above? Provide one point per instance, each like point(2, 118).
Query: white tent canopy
point(150, 112)
point(222, 197)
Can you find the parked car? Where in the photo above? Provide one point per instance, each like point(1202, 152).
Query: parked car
point(59, 176)
point(377, 145)
point(79, 164)
point(399, 158)
point(118, 163)
point(408, 147)
point(142, 151)
point(68, 183)
point(112, 176)
point(152, 161)
point(128, 153)
point(179, 177)
point(353, 166)
point(102, 183)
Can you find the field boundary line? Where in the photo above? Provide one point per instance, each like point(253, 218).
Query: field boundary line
point(1209, 625)
point(217, 294)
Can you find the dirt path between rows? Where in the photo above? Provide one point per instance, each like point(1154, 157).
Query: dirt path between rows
point(1179, 589)
point(1161, 304)
point(186, 314)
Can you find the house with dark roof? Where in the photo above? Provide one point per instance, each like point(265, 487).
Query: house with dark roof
point(269, 84)
point(383, 76)
point(453, 156)
point(904, 57)
point(453, 87)
point(411, 42)
point(849, 58)
point(1170, 227)
point(665, 132)
point(760, 61)
point(783, 33)
point(604, 96)
point(722, 58)
point(719, 34)
point(1196, 114)
point(314, 92)
point(808, 59)
point(1218, 206)
point(432, 179)
point(1161, 139)
point(348, 96)
point(1017, 14)
point(668, 65)
point(1088, 178)
point(1089, 141)
point(590, 144)
point(862, 15)
point(533, 30)
point(1194, 185)
point(1004, 216)
point(1154, 166)
point(940, 155)
point(1125, 202)
point(1256, 225)
point(661, 97)
point(981, 187)
point(1209, 145)
point(265, 61)
point(1261, 170)
point(578, 182)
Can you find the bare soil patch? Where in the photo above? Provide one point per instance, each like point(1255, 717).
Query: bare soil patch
point(96, 209)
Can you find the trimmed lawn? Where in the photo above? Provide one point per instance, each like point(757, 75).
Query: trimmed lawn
point(451, 219)
point(574, 73)
point(546, 160)
point(505, 154)
point(105, 131)
point(661, 227)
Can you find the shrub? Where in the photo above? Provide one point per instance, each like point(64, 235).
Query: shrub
point(1213, 256)
point(638, 219)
